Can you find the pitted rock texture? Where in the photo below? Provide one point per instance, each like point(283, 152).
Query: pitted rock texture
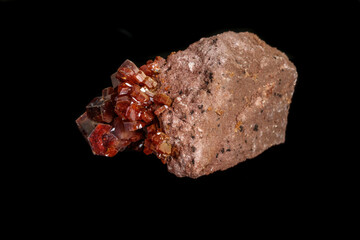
point(231, 95)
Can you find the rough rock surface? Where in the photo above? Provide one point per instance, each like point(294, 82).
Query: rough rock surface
point(231, 95)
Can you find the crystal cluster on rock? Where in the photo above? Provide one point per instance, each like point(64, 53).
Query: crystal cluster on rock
point(221, 101)
point(124, 116)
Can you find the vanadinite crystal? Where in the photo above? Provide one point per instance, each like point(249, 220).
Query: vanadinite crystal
point(124, 115)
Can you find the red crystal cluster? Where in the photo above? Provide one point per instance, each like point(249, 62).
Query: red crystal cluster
point(124, 116)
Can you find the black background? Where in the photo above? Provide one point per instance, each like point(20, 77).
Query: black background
point(63, 54)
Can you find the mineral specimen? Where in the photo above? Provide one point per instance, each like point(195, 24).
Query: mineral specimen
point(221, 101)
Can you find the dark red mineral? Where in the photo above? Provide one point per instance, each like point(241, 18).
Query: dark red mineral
point(124, 116)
